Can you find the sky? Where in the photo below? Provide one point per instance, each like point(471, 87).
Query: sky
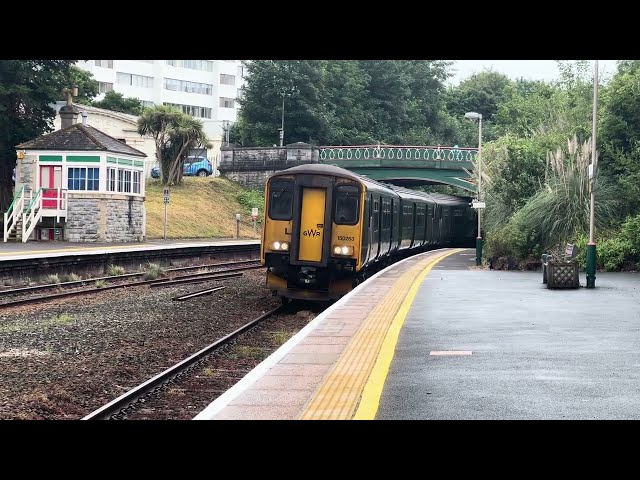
point(529, 69)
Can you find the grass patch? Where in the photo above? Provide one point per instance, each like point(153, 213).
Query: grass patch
point(71, 277)
point(23, 326)
point(115, 270)
point(200, 208)
point(62, 319)
point(245, 351)
point(153, 271)
point(209, 372)
point(280, 338)
point(100, 283)
point(52, 279)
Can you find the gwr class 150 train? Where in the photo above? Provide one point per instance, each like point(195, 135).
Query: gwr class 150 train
point(326, 229)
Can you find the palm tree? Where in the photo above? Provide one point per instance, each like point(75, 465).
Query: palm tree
point(175, 134)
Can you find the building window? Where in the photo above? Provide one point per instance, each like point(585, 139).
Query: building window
point(227, 79)
point(193, 110)
point(111, 179)
point(206, 65)
point(189, 87)
point(227, 102)
point(104, 63)
point(83, 178)
point(134, 80)
point(241, 71)
point(136, 182)
point(104, 87)
point(128, 180)
point(146, 104)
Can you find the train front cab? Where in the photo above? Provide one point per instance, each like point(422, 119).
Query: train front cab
point(317, 219)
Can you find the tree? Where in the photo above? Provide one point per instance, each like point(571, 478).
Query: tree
point(620, 131)
point(175, 134)
point(87, 85)
point(27, 90)
point(481, 93)
point(116, 102)
point(346, 102)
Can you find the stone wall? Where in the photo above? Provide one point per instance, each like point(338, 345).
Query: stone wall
point(104, 218)
point(25, 172)
point(251, 166)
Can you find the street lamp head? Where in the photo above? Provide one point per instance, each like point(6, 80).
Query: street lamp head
point(473, 116)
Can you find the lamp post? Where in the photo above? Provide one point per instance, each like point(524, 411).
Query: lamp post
point(591, 246)
point(478, 116)
point(282, 124)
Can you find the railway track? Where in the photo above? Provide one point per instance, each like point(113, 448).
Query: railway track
point(118, 408)
point(231, 271)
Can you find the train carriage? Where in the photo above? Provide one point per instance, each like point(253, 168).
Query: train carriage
point(327, 228)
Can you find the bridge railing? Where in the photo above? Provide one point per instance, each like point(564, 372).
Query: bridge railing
point(397, 152)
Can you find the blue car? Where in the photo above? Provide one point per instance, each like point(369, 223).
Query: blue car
point(193, 166)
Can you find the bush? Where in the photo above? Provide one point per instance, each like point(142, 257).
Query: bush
point(153, 271)
point(71, 277)
point(52, 279)
point(115, 270)
point(252, 199)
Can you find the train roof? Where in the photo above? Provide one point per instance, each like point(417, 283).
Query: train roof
point(332, 170)
point(322, 169)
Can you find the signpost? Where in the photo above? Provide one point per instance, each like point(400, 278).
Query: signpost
point(237, 225)
point(476, 204)
point(165, 199)
point(254, 217)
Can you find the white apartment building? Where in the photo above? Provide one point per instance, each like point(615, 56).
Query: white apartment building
point(206, 89)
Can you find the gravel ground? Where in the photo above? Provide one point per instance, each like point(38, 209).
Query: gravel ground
point(62, 360)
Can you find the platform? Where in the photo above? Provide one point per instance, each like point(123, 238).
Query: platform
point(434, 337)
point(30, 250)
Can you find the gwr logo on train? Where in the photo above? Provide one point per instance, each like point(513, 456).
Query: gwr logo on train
point(311, 233)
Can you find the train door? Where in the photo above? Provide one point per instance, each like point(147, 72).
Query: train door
point(375, 228)
point(313, 196)
point(395, 224)
point(429, 224)
point(385, 228)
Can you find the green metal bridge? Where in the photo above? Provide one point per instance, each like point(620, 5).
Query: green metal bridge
point(406, 165)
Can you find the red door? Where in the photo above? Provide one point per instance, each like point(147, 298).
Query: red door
point(50, 181)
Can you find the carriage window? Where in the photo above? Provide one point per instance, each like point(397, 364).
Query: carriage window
point(280, 200)
point(347, 205)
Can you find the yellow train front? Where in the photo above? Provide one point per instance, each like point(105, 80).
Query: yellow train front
point(312, 236)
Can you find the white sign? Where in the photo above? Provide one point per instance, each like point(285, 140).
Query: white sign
point(478, 205)
point(254, 213)
point(590, 171)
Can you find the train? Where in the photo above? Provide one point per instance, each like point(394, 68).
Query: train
point(327, 229)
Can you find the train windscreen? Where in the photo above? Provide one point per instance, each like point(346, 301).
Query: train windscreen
point(347, 205)
point(281, 200)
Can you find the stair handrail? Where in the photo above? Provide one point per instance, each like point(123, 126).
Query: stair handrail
point(31, 215)
point(10, 216)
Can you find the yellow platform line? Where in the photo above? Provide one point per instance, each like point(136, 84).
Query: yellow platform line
point(339, 394)
point(372, 391)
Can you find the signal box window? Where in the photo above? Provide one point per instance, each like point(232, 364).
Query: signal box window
point(347, 205)
point(281, 200)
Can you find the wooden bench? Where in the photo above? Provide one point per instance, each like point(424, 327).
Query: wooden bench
point(561, 272)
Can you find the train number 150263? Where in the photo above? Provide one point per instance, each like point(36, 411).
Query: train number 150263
point(345, 238)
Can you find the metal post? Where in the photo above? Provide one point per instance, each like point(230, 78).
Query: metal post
point(479, 238)
point(165, 221)
point(591, 246)
point(255, 229)
point(237, 225)
point(282, 124)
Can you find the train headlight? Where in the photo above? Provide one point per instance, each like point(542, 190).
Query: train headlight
point(281, 246)
point(343, 250)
